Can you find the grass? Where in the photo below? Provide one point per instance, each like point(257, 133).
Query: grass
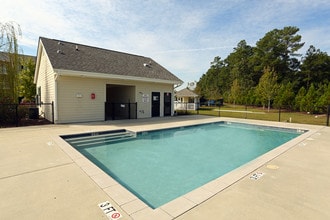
point(238, 111)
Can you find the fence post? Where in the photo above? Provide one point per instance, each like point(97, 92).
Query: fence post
point(129, 110)
point(328, 115)
point(136, 110)
point(279, 114)
point(53, 113)
point(245, 111)
point(113, 110)
point(16, 114)
point(105, 111)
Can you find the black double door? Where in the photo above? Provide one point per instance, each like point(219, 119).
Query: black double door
point(155, 104)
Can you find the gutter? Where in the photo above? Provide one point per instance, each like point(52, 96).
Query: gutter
point(61, 72)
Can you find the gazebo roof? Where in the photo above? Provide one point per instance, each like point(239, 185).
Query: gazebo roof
point(186, 93)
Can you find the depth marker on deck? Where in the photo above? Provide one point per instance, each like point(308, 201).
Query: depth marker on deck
point(109, 210)
point(256, 176)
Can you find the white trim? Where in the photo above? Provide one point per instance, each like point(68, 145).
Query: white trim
point(62, 72)
point(39, 54)
point(55, 102)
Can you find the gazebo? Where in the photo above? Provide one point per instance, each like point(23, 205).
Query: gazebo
point(186, 100)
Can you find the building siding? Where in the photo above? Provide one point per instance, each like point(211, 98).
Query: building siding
point(47, 84)
point(145, 89)
point(74, 102)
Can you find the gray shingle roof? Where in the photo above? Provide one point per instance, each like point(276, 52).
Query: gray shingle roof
point(185, 93)
point(77, 57)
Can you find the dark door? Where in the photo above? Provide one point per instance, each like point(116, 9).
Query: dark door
point(167, 104)
point(155, 104)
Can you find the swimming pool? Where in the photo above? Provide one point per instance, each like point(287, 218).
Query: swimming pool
point(159, 166)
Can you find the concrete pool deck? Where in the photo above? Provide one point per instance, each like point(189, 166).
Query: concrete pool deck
point(41, 178)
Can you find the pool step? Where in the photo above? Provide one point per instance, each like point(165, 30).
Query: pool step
point(100, 138)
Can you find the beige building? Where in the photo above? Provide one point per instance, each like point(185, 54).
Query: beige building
point(93, 84)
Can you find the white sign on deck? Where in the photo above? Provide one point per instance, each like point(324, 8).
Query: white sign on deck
point(256, 175)
point(109, 210)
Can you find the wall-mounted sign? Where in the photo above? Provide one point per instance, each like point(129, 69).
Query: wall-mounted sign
point(145, 98)
point(155, 98)
point(93, 96)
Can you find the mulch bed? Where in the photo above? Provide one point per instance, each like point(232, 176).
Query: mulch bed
point(27, 122)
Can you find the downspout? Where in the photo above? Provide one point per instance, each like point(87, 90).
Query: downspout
point(56, 76)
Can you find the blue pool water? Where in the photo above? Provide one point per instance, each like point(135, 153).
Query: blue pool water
point(159, 166)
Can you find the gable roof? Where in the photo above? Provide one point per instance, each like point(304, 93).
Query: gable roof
point(186, 93)
point(82, 58)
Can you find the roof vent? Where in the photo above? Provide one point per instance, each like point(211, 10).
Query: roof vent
point(77, 47)
point(58, 51)
point(146, 65)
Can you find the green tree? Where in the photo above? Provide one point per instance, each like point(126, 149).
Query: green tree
point(214, 82)
point(238, 78)
point(251, 97)
point(285, 96)
point(310, 100)
point(267, 87)
point(299, 102)
point(323, 98)
point(27, 88)
point(278, 49)
point(9, 33)
point(315, 67)
point(207, 85)
point(235, 91)
point(241, 72)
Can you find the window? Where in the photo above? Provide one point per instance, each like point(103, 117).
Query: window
point(38, 96)
point(3, 69)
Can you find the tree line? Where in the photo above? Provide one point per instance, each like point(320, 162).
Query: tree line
point(273, 73)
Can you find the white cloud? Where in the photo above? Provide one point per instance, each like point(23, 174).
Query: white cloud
point(318, 37)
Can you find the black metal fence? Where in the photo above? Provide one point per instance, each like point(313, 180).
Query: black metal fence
point(119, 111)
point(22, 114)
point(258, 113)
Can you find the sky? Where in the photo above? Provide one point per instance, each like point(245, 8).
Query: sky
point(184, 36)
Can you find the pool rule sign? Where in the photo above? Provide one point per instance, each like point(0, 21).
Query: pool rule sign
point(109, 210)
